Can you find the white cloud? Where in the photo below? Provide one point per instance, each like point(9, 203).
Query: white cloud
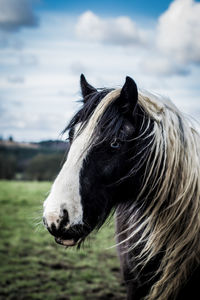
point(50, 63)
point(15, 79)
point(166, 49)
point(77, 68)
point(179, 31)
point(121, 30)
point(160, 65)
point(16, 14)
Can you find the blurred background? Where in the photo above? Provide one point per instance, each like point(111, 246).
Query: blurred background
point(44, 47)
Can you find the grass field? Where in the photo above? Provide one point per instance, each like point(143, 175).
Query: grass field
point(33, 266)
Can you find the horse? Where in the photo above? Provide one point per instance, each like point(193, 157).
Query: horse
point(133, 153)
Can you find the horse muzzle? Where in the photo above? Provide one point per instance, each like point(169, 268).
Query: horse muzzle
point(66, 234)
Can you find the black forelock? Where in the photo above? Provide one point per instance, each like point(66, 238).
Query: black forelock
point(110, 125)
point(89, 103)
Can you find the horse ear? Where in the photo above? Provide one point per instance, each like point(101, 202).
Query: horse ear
point(86, 88)
point(129, 96)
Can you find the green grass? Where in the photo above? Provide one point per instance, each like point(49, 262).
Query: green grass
point(33, 266)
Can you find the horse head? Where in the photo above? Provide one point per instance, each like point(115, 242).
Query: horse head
point(103, 148)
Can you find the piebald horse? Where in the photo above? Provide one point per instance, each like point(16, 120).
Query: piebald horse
point(134, 153)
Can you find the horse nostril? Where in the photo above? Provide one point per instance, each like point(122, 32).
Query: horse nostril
point(65, 216)
point(56, 223)
point(64, 219)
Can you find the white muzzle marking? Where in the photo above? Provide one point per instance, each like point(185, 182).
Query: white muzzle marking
point(65, 192)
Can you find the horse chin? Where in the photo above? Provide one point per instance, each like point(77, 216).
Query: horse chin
point(73, 236)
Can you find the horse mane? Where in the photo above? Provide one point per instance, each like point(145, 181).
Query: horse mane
point(170, 223)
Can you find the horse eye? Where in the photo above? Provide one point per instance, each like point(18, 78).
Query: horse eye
point(115, 144)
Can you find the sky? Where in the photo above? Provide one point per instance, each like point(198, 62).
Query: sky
point(46, 45)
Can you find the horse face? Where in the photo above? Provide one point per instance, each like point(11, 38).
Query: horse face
point(89, 184)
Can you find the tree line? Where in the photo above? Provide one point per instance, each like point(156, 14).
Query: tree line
point(32, 163)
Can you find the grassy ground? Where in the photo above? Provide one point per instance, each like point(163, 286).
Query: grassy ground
point(33, 266)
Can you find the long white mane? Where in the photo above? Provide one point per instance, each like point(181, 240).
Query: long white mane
point(171, 223)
